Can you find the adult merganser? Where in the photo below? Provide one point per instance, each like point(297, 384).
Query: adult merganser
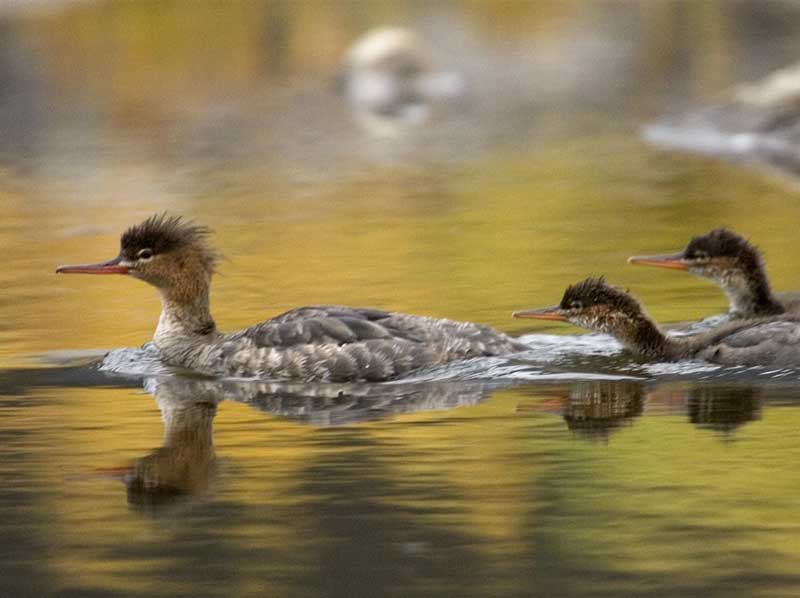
point(600, 307)
point(731, 262)
point(323, 343)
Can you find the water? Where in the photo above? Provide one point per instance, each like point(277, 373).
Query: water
point(566, 470)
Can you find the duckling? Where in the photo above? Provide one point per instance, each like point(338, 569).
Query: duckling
point(731, 262)
point(598, 306)
point(318, 343)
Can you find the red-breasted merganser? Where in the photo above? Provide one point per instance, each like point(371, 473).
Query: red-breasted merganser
point(322, 343)
point(600, 307)
point(734, 264)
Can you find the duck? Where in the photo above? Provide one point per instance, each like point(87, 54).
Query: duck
point(598, 306)
point(733, 263)
point(324, 343)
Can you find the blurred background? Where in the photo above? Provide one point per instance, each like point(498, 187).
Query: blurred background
point(459, 159)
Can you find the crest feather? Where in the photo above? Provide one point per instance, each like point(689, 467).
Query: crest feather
point(596, 291)
point(163, 233)
point(721, 242)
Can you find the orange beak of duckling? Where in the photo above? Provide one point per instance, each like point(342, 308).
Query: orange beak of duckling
point(673, 261)
point(109, 267)
point(545, 313)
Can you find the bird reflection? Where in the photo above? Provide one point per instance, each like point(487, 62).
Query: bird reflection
point(185, 466)
point(594, 410)
point(724, 408)
point(323, 405)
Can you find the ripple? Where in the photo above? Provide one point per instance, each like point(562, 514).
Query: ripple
point(673, 368)
point(72, 357)
point(144, 361)
point(547, 357)
point(553, 347)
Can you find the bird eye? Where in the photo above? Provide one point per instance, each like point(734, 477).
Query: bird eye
point(576, 305)
point(144, 254)
point(700, 255)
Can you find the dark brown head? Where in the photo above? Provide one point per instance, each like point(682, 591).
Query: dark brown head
point(720, 255)
point(731, 262)
point(168, 252)
point(595, 305)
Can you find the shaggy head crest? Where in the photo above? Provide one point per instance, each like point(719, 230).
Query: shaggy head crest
point(163, 233)
point(595, 291)
point(721, 242)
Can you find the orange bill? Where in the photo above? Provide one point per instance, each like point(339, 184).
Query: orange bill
point(673, 261)
point(109, 267)
point(545, 313)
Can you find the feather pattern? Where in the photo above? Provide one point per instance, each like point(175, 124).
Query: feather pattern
point(338, 344)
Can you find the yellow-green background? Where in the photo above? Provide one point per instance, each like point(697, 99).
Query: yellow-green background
point(498, 499)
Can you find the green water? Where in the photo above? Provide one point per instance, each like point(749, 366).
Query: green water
point(112, 485)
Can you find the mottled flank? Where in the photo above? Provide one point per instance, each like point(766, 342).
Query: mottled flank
point(773, 342)
point(341, 344)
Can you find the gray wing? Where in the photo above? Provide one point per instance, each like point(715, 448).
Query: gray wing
point(455, 340)
point(332, 343)
point(780, 332)
point(332, 324)
point(771, 343)
point(325, 324)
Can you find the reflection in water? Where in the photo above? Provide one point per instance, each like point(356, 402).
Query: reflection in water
point(185, 466)
point(323, 407)
point(724, 408)
point(326, 404)
point(463, 502)
point(595, 409)
point(375, 530)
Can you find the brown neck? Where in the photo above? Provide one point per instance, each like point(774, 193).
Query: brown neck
point(185, 313)
point(752, 295)
point(641, 336)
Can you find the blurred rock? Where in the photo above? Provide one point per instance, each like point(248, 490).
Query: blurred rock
point(757, 123)
point(390, 80)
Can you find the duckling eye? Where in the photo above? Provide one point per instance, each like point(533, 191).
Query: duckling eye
point(700, 255)
point(576, 304)
point(144, 255)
